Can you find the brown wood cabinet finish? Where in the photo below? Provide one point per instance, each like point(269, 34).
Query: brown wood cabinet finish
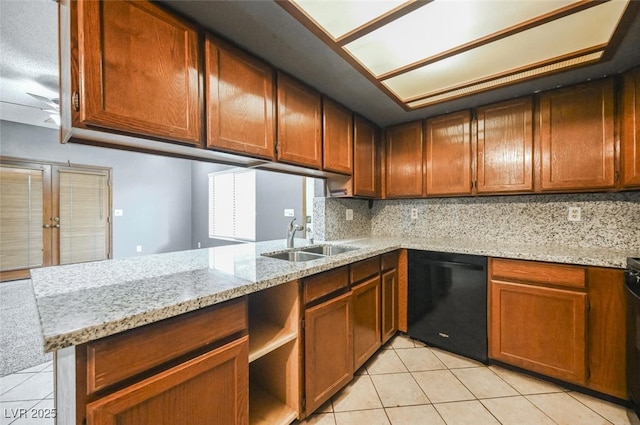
point(115, 358)
point(630, 130)
point(448, 154)
point(240, 101)
point(538, 272)
point(139, 70)
point(366, 169)
point(606, 332)
point(364, 269)
point(366, 320)
point(337, 138)
point(577, 139)
point(389, 304)
point(321, 284)
point(299, 123)
point(404, 169)
point(211, 388)
point(505, 147)
point(328, 349)
point(539, 328)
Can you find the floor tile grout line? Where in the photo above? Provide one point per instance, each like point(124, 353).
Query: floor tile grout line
point(570, 394)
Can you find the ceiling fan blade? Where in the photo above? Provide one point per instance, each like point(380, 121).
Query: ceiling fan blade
point(54, 103)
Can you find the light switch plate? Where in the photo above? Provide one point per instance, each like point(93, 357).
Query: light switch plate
point(349, 214)
point(138, 248)
point(118, 212)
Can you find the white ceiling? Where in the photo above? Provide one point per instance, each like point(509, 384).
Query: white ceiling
point(28, 59)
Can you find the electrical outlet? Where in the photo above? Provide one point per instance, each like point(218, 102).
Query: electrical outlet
point(288, 212)
point(118, 212)
point(349, 214)
point(199, 245)
point(138, 248)
point(414, 213)
point(575, 214)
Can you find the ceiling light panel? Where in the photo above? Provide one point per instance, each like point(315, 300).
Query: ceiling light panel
point(553, 41)
point(440, 26)
point(339, 17)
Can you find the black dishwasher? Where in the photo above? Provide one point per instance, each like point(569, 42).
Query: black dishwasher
point(447, 302)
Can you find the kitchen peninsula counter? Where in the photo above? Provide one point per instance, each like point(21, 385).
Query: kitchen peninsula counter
point(83, 302)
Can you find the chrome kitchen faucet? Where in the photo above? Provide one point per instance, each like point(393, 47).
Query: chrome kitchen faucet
point(292, 231)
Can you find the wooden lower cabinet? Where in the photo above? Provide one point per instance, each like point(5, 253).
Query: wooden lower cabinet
point(563, 321)
point(328, 349)
point(540, 329)
point(211, 388)
point(389, 304)
point(366, 323)
point(606, 332)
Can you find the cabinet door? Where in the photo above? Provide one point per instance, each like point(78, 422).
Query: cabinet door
point(299, 124)
point(337, 138)
point(389, 304)
point(211, 388)
point(366, 323)
point(366, 171)
point(540, 329)
point(139, 70)
point(328, 349)
point(448, 154)
point(630, 130)
point(404, 161)
point(240, 114)
point(607, 332)
point(505, 147)
point(577, 137)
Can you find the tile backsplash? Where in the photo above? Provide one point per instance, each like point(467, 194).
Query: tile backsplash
point(608, 220)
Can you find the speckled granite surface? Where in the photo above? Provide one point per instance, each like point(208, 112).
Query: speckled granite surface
point(83, 302)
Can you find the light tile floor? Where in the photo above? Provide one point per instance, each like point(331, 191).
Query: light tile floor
point(26, 397)
point(408, 383)
point(404, 384)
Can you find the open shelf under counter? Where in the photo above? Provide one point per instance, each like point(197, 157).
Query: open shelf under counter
point(266, 409)
point(266, 336)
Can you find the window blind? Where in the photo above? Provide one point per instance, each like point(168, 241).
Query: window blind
point(232, 205)
point(21, 218)
point(83, 207)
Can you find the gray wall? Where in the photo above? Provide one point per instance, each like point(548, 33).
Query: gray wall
point(153, 191)
point(275, 192)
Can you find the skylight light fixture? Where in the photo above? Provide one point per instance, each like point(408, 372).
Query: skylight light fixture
point(426, 52)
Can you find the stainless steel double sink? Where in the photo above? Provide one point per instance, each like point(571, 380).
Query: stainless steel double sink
point(310, 253)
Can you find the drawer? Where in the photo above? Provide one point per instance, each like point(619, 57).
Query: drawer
point(118, 357)
point(389, 261)
point(325, 283)
point(365, 268)
point(537, 272)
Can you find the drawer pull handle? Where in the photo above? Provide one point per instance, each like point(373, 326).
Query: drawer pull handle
point(443, 335)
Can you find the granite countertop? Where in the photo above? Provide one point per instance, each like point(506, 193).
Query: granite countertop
point(82, 302)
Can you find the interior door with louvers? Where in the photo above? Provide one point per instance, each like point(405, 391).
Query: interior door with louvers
point(83, 214)
point(52, 214)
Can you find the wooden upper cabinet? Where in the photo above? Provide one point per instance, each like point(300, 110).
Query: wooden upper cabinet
point(404, 160)
point(448, 154)
point(505, 147)
point(577, 137)
point(240, 101)
point(630, 130)
point(299, 123)
point(337, 138)
point(139, 70)
point(366, 170)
